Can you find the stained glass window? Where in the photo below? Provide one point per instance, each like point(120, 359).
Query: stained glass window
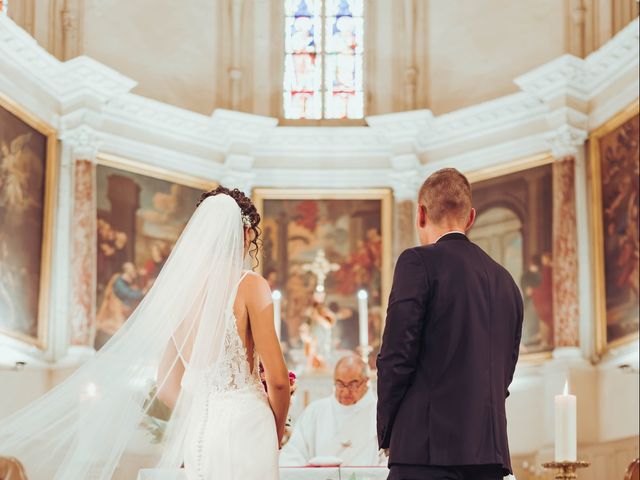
point(323, 59)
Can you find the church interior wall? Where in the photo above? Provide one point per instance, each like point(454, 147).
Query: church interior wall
point(215, 52)
point(95, 124)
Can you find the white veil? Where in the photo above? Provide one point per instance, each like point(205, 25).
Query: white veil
point(82, 427)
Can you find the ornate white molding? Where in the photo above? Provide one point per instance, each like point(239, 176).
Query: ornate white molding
point(333, 178)
point(555, 101)
point(565, 141)
point(84, 143)
point(405, 178)
point(238, 173)
point(585, 79)
point(400, 128)
point(240, 131)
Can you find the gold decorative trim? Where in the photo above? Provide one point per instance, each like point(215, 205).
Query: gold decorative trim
point(385, 195)
point(515, 166)
point(595, 195)
point(134, 166)
point(48, 220)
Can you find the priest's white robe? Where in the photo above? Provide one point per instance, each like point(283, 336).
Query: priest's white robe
point(328, 429)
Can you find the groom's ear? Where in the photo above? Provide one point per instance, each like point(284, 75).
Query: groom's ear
point(471, 219)
point(422, 216)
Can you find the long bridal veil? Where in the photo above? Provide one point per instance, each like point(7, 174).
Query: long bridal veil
point(82, 428)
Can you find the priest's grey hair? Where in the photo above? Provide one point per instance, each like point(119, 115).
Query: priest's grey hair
point(353, 360)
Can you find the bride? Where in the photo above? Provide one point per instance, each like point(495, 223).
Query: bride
point(192, 343)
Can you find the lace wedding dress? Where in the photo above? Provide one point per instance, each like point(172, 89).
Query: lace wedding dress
point(232, 432)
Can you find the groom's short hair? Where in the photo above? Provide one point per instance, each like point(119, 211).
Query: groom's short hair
point(446, 194)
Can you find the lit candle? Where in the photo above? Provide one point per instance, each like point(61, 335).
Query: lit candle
point(566, 429)
point(363, 319)
point(277, 310)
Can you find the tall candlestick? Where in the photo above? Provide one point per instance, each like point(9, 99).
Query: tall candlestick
point(277, 310)
point(566, 426)
point(363, 318)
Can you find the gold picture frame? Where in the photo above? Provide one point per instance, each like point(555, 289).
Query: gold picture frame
point(502, 170)
point(48, 217)
point(597, 228)
point(384, 195)
point(134, 166)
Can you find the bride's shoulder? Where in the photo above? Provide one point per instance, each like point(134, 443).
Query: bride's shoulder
point(255, 290)
point(253, 280)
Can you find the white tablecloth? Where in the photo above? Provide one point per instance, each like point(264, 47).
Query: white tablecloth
point(289, 473)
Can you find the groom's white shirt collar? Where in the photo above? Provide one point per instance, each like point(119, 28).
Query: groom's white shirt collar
point(449, 233)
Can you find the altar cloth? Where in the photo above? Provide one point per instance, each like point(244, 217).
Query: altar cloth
point(288, 473)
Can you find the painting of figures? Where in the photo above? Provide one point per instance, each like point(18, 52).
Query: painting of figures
point(514, 226)
point(350, 233)
point(615, 168)
point(26, 176)
point(139, 219)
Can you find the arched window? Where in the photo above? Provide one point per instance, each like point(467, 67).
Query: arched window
point(323, 59)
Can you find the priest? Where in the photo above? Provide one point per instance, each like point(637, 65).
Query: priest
point(342, 425)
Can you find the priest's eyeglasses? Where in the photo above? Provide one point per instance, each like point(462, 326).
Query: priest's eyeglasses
point(351, 386)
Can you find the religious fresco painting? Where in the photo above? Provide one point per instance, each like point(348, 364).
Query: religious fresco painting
point(139, 219)
point(27, 149)
point(615, 175)
point(514, 226)
point(319, 250)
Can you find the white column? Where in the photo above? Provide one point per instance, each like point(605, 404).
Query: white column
point(60, 290)
point(80, 144)
point(585, 257)
point(238, 173)
point(235, 72)
point(406, 180)
point(363, 320)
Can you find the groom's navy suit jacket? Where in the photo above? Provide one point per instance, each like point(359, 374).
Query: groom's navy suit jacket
point(448, 354)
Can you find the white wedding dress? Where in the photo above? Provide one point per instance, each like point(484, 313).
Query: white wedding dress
point(232, 431)
point(95, 424)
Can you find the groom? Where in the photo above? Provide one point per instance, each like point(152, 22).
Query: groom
point(449, 348)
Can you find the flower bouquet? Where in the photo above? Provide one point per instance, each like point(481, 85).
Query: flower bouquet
point(292, 386)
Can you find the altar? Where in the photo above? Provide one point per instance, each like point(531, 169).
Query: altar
point(288, 473)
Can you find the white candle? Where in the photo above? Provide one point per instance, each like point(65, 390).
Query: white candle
point(277, 310)
point(363, 319)
point(566, 427)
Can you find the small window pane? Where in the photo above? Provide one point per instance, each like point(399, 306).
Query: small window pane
point(303, 35)
point(343, 95)
point(323, 59)
point(345, 7)
point(298, 8)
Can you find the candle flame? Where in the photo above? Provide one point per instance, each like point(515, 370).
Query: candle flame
point(566, 387)
point(276, 295)
point(362, 294)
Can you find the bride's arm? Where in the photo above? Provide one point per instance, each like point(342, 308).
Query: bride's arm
point(260, 308)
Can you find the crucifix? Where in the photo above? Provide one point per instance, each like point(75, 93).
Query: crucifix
point(321, 268)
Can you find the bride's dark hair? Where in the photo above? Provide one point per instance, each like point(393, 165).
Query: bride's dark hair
point(248, 209)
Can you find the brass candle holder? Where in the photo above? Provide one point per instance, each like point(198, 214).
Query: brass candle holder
point(566, 470)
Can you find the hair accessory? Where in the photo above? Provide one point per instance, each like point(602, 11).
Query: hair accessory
point(246, 220)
